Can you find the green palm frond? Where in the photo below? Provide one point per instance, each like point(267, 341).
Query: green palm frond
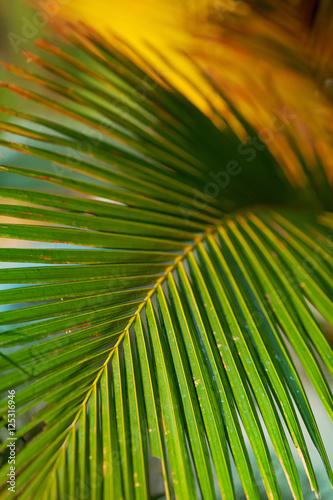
point(157, 315)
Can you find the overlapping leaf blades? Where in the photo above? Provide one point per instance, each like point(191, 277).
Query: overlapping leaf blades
point(168, 332)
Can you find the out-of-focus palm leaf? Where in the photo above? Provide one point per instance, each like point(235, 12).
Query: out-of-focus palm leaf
point(163, 325)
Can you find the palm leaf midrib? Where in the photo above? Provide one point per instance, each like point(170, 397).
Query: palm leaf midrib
point(200, 239)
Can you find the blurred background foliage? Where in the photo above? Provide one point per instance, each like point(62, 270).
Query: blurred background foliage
point(264, 55)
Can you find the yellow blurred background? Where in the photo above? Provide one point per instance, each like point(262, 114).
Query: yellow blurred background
point(262, 55)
